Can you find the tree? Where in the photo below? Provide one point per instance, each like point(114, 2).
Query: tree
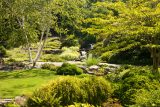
point(130, 19)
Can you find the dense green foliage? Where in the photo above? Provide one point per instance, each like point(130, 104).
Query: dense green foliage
point(69, 69)
point(121, 32)
point(136, 86)
point(68, 90)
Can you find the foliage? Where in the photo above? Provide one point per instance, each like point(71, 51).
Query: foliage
point(70, 53)
point(70, 89)
point(2, 51)
point(136, 22)
point(70, 41)
point(49, 67)
point(11, 105)
point(99, 92)
point(147, 98)
point(52, 58)
point(69, 69)
point(92, 60)
point(132, 82)
point(52, 43)
point(80, 105)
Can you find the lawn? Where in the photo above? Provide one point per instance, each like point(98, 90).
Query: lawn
point(16, 83)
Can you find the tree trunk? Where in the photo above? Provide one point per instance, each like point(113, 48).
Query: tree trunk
point(155, 58)
point(27, 40)
point(40, 49)
point(29, 50)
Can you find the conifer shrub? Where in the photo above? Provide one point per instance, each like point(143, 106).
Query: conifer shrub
point(69, 69)
point(68, 90)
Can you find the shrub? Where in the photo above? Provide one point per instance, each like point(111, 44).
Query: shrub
point(135, 81)
point(70, 41)
point(49, 67)
point(92, 60)
point(70, 90)
point(52, 43)
point(52, 58)
point(107, 56)
point(70, 53)
point(145, 98)
point(81, 105)
point(97, 90)
point(67, 90)
point(69, 69)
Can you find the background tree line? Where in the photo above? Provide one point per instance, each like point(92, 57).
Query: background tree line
point(123, 31)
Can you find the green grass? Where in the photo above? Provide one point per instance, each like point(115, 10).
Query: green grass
point(23, 82)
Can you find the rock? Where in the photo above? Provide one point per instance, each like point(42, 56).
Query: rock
point(5, 101)
point(108, 70)
point(20, 100)
point(110, 65)
point(83, 55)
point(90, 72)
point(94, 68)
point(84, 68)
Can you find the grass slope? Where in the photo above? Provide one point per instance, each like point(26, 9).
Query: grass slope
point(23, 82)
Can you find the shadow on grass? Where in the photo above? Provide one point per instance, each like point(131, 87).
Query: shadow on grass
point(26, 73)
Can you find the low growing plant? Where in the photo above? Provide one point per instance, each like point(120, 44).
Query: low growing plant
point(69, 69)
point(49, 67)
point(92, 60)
point(70, 53)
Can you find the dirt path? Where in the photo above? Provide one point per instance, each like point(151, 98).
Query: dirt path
point(39, 64)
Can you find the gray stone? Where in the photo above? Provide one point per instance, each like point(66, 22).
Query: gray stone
point(108, 70)
point(94, 68)
point(84, 68)
point(20, 100)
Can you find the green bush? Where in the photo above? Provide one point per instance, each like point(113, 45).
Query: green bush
point(106, 56)
point(92, 60)
point(81, 105)
point(49, 67)
point(2, 52)
point(69, 90)
point(52, 58)
point(70, 53)
point(135, 81)
point(145, 98)
point(52, 43)
point(69, 69)
point(97, 90)
point(70, 41)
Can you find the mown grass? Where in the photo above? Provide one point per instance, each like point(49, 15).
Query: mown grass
point(23, 82)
